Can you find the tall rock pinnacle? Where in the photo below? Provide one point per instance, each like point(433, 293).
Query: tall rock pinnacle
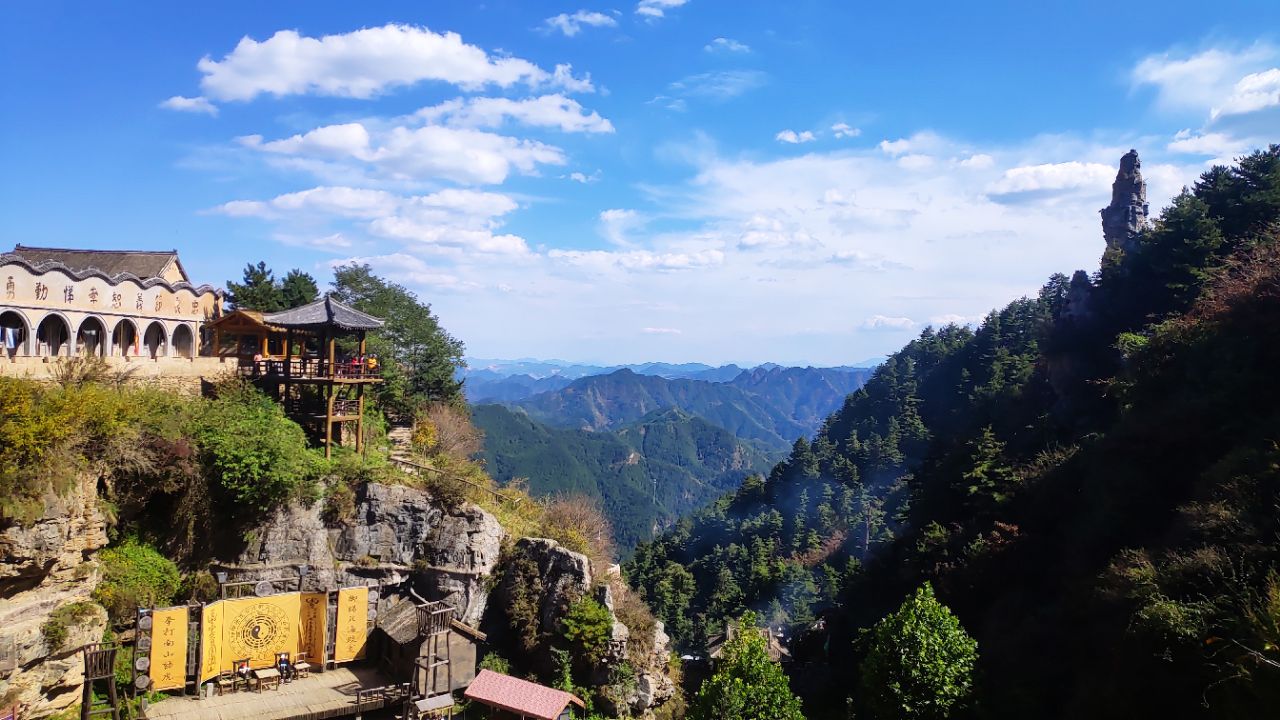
point(1127, 213)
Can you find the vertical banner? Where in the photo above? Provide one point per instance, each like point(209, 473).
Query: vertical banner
point(211, 660)
point(313, 619)
point(169, 649)
point(353, 624)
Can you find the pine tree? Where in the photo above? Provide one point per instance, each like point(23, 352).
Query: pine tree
point(259, 290)
point(298, 288)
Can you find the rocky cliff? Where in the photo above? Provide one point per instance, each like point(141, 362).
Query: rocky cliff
point(46, 577)
point(396, 534)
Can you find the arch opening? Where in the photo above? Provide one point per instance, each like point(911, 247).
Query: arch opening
point(125, 340)
point(91, 337)
point(14, 334)
point(155, 341)
point(184, 342)
point(52, 336)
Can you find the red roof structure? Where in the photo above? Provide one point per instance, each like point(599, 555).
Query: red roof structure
point(524, 698)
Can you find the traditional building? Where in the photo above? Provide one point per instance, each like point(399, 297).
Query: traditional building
point(134, 305)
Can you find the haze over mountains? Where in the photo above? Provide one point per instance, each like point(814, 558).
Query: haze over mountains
point(651, 441)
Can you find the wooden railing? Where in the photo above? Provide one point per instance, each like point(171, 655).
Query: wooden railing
point(309, 369)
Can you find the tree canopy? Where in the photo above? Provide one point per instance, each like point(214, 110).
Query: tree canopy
point(260, 290)
point(747, 684)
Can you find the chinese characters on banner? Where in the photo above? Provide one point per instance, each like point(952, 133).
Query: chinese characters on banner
point(211, 619)
point(314, 620)
point(169, 648)
point(353, 623)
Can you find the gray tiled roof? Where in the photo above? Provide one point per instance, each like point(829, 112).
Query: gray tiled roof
point(323, 313)
point(142, 263)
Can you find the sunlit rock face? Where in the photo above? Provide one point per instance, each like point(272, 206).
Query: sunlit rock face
point(1126, 216)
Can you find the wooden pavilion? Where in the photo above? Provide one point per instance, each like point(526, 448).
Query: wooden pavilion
point(319, 387)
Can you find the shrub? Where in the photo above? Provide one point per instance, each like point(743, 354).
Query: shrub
point(339, 504)
point(579, 524)
point(257, 454)
point(444, 429)
point(55, 629)
point(134, 575)
point(587, 628)
point(495, 662)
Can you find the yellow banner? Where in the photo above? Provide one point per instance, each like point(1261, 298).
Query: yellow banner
point(169, 649)
point(257, 628)
point(314, 618)
point(211, 662)
point(353, 624)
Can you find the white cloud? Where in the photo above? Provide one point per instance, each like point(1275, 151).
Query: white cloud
point(882, 322)
point(581, 177)
point(1052, 177)
point(639, 260)
point(402, 153)
point(953, 319)
point(654, 9)
point(978, 161)
point(726, 45)
point(406, 268)
point(845, 130)
point(894, 147)
point(571, 25)
point(555, 111)
point(364, 63)
point(915, 161)
point(1253, 92)
point(1216, 144)
point(186, 104)
point(719, 85)
point(793, 137)
point(660, 331)
point(1205, 80)
point(615, 223)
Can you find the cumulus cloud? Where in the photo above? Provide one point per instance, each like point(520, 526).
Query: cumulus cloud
point(1253, 92)
point(555, 111)
point(1049, 179)
point(571, 25)
point(615, 223)
point(1216, 144)
point(365, 63)
point(402, 153)
point(953, 319)
point(845, 130)
point(793, 137)
point(410, 269)
point(1204, 80)
point(915, 161)
point(978, 161)
point(584, 178)
point(193, 105)
point(883, 322)
point(726, 45)
point(653, 9)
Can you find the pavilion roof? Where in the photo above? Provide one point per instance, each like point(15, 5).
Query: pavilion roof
point(323, 314)
point(519, 696)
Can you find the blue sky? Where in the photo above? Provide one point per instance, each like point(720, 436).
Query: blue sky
point(808, 182)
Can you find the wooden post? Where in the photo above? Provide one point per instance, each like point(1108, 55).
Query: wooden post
point(217, 342)
point(360, 418)
point(263, 351)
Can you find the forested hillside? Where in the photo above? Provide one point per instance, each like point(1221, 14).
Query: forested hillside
point(1090, 481)
point(646, 474)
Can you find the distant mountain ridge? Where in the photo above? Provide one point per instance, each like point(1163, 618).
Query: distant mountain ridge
point(771, 407)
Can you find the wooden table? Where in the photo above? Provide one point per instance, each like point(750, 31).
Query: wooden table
point(268, 676)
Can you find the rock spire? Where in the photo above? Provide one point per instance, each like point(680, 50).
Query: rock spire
point(1126, 216)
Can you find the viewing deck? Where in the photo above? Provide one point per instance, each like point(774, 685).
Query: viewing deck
point(331, 694)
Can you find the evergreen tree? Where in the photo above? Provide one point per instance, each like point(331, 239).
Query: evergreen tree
point(920, 662)
point(258, 291)
point(989, 479)
point(747, 684)
point(298, 288)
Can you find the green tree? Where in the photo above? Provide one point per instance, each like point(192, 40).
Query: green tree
point(135, 575)
point(747, 684)
point(258, 291)
point(297, 289)
point(989, 480)
point(587, 628)
point(920, 662)
point(423, 357)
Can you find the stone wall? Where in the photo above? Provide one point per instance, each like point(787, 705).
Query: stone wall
point(177, 374)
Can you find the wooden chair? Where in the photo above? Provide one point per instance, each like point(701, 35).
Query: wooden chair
point(301, 666)
point(226, 681)
point(246, 678)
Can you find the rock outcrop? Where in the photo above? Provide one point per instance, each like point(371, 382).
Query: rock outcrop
point(44, 567)
point(397, 533)
point(1126, 216)
point(544, 579)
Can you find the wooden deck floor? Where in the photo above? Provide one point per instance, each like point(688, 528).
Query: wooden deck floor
point(329, 694)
